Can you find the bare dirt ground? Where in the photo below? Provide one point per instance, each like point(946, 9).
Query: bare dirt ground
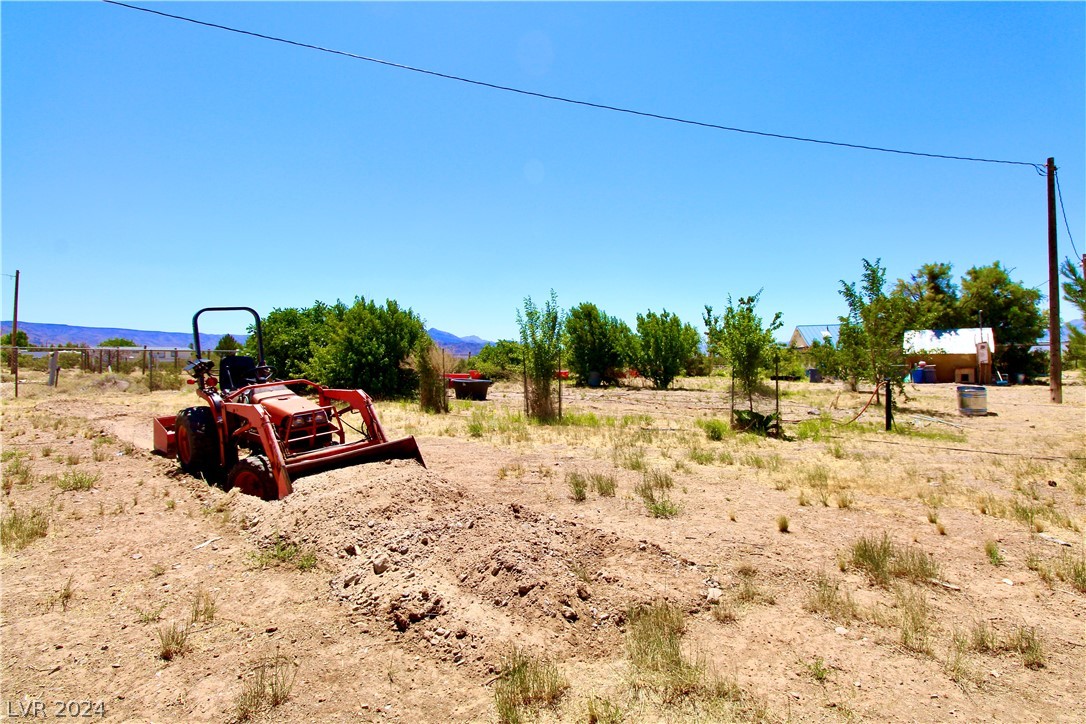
point(487, 549)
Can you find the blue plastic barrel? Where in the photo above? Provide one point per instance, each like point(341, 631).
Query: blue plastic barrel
point(929, 375)
point(918, 375)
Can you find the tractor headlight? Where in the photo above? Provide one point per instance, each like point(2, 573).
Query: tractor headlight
point(301, 420)
point(321, 418)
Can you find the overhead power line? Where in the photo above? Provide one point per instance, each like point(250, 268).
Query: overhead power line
point(1065, 224)
point(573, 101)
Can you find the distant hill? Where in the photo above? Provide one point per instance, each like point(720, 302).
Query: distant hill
point(43, 335)
point(457, 346)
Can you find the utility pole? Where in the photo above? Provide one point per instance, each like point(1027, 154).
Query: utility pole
point(1055, 364)
point(15, 335)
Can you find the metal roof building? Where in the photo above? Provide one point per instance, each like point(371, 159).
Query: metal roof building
point(806, 335)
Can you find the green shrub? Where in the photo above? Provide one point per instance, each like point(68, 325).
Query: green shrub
point(77, 480)
point(367, 347)
point(664, 347)
point(715, 430)
point(597, 343)
point(427, 358)
point(540, 340)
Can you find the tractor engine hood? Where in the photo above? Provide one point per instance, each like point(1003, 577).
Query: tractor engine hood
point(281, 403)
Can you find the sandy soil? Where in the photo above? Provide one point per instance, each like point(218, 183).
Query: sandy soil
point(486, 549)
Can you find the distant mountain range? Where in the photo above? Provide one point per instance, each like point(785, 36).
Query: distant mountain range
point(457, 346)
point(44, 335)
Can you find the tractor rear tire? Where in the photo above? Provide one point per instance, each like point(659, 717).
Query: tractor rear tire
point(253, 476)
point(197, 441)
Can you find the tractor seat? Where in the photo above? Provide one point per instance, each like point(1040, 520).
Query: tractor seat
point(236, 371)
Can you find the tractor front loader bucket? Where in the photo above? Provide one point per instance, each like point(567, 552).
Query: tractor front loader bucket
point(340, 456)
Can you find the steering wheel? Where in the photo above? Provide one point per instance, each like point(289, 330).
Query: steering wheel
point(263, 373)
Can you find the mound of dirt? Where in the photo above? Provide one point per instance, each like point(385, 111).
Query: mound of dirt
point(420, 557)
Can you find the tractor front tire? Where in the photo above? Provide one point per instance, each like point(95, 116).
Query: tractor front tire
point(197, 442)
point(253, 476)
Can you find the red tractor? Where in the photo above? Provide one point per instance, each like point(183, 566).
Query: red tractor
point(289, 427)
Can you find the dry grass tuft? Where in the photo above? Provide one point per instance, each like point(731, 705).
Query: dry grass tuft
point(604, 485)
point(526, 682)
point(76, 480)
point(203, 608)
point(1073, 570)
point(64, 596)
point(284, 552)
point(17, 472)
point(578, 486)
point(659, 665)
point(18, 529)
point(829, 598)
point(882, 560)
point(1027, 642)
point(652, 489)
point(603, 711)
point(270, 683)
point(172, 641)
point(983, 638)
point(916, 619)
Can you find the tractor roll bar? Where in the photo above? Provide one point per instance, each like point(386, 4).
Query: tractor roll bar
point(250, 310)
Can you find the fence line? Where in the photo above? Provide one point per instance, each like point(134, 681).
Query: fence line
point(101, 359)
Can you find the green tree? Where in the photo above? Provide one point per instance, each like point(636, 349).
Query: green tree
point(1009, 308)
point(116, 342)
point(825, 357)
point(852, 357)
point(226, 346)
point(1074, 288)
point(597, 343)
point(540, 338)
point(872, 335)
point(746, 344)
point(368, 347)
point(502, 360)
point(1074, 291)
point(291, 335)
point(665, 346)
point(227, 343)
point(713, 349)
point(21, 339)
point(933, 297)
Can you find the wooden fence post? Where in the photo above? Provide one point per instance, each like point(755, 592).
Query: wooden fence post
point(54, 368)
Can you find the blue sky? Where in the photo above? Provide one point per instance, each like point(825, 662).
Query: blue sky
point(151, 167)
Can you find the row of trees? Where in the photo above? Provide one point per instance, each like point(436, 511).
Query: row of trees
point(599, 348)
point(384, 348)
point(870, 343)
